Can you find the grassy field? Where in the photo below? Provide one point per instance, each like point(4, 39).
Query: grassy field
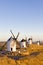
point(32, 55)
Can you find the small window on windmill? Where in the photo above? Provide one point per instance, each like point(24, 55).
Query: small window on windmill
point(11, 49)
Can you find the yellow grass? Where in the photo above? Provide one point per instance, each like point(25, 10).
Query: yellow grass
point(28, 58)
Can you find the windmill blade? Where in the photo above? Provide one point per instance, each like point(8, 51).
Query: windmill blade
point(12, 33)
point(17, 35)
point(26, 38)
point(3, 46)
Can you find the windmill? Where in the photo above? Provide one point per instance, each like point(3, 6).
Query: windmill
point(30, 40)
point(38, 43)
point(23, 42)
point(12, 42)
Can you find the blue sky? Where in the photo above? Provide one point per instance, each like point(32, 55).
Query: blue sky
point(24, 16)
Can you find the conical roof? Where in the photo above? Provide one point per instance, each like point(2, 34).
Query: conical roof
point(30, 39)
point(23, 40)
point(9, 38)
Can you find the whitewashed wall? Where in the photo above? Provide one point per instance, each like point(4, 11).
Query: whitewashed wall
point(11, 44)
point(30, 41)
point(23, 44)
point(38, 43)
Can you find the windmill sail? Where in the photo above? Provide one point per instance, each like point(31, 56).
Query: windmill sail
point(17, 35)
point(3, 46)
point(12, 33)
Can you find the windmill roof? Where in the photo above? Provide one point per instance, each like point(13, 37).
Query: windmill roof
point(38, 41)
point(9, 38)
point(14, 38)
point(23, 40)
point(30, 39)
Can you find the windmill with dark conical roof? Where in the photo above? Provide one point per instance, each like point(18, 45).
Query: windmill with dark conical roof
point(23, 43)
point(30, 41)
point(12, 41)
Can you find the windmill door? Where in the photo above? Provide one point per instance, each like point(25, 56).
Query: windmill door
point(11, 49)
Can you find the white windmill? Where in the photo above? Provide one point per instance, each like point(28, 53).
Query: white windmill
point(30, 41)
point(38, 42)
point(11, 42)
point(23, 43)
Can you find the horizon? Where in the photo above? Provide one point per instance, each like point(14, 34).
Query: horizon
point(24, 16)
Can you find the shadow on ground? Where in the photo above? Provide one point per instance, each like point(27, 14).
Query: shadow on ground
point(26, 56)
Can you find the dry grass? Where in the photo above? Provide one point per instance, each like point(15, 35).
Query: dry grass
point(32, 56)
